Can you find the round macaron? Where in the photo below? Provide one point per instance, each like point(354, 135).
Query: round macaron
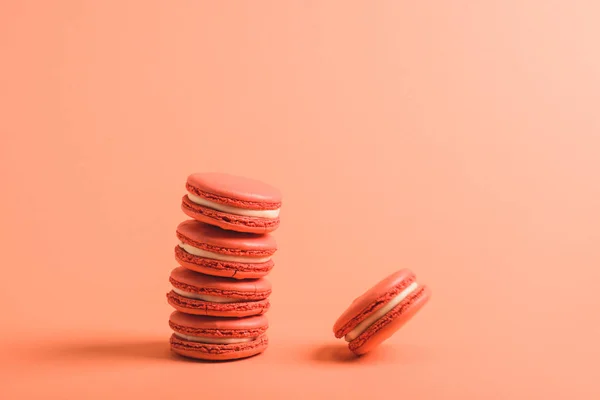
point(209, 250)
point(200, 294)
point(213, 338)
point(376, 315)
point(232, 202)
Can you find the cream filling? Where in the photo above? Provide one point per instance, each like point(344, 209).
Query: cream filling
point(222, 257)
point(360, 328)
point(270, 214)
point(213, 299)
point(212, 340)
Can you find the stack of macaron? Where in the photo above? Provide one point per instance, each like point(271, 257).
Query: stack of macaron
point(219, 289)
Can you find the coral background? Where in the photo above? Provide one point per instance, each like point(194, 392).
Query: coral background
point(460, 139)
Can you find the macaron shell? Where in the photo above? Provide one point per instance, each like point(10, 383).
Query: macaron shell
point(227, 269)
point(235, 191)
point(372, 300)
point(231, 310)
point(218, 352)
point(213, 239)
point(385, 327)
point(226, 221)
point(197, 325)
point(247, 289)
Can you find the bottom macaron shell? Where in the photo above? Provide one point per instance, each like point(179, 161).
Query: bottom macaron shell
point(386, 326)
point(218, 352)
point(200, 307)
point(225, 269)
point(227, 221)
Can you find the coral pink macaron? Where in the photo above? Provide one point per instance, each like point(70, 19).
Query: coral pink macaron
point(376, 315)
point(213, 251)
point(213, 338)
point(200, 294)
point(232, 202)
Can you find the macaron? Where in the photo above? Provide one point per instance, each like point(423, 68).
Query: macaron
point(213, 251)
point(376, 315)
point(214, 338)
point(232, 202)
point(199, 294)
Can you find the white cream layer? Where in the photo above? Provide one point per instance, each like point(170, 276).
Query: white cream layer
point(212, 340)
point(222, 257)
point(360, 328)
point(269, 214)
point(213, 299)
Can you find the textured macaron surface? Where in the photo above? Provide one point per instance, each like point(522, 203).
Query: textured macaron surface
point(206, 326)
point(216, 240)
point(201, 307)
point(228, 221)
point(192, 282)
point(229, 269)
point(216, 352)
point(386, 326)
point(234, 191)
point(372, 300)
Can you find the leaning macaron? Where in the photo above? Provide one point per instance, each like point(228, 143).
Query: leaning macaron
point(199, 294)
point(213, 251)
point(376, 315)
point(213, 338)
point(232, 202)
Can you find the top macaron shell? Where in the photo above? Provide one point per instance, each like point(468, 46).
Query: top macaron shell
point(245, 247)
point(235, 191)
point(237, 194)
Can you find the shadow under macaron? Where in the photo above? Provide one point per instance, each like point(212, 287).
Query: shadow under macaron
point(96, 350)
point(112, 351)
point(339, 353)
